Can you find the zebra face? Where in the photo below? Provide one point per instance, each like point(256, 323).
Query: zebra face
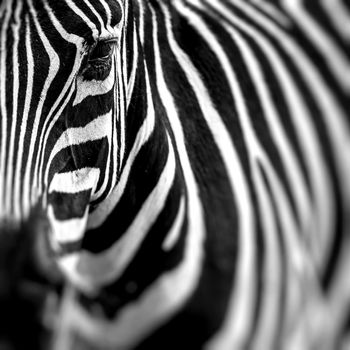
point(59, 107)
point(60, 104)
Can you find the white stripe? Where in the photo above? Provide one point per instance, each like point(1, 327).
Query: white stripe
point(134, 68)
point(271, 9)
point(4, 116)
point(336, 60)
point(115, 136)
point(15, 94)
point(173, 235)
point(339, 15)
point(123, 83)
point(108, 13)
point(87, 88)
point(141, 22)
point(272, 269)
point(121, 106)
point(23, 203)
point(75, 181)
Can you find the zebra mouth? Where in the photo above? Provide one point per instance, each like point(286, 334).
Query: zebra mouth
point(68, 204)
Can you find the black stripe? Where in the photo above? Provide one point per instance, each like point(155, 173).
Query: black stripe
point(144, 175)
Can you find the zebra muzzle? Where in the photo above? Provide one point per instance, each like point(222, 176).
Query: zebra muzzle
point(29, 276)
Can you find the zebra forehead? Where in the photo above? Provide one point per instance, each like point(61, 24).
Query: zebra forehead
point(95, 10)
point(74, 16)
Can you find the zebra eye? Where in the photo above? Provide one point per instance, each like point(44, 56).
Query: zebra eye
point(99, 60)
point(102, 50)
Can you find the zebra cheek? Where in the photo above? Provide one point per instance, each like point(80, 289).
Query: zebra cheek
point(68, 202)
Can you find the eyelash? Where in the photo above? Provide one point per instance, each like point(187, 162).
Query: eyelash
point(99, 60)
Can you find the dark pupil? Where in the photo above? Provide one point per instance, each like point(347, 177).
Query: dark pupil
point(101, 50)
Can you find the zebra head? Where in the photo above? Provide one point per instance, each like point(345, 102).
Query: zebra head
point(61, 101)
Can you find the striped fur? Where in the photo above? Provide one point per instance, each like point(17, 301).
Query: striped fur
point(197, 183)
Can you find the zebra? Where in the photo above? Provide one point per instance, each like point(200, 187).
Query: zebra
point(175, 174)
